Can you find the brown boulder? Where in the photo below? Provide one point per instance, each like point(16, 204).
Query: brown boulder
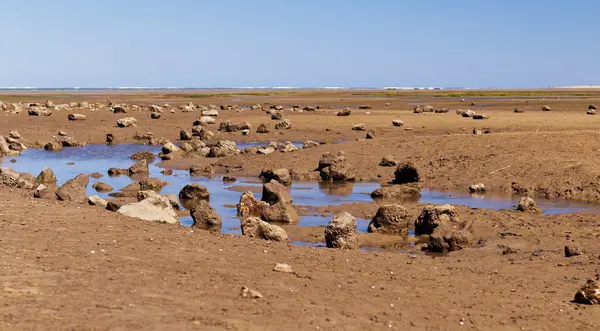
point(191, 194)
point(74, 189)
point(390, 219)
point(341, 232)
point(254, 227)
point(46, 176)
point(139, 168)
point(283, 176)
point(335, 167)
point(205, 217)
point(406, 173)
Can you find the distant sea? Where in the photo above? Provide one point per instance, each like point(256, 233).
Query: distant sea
point(27, 88)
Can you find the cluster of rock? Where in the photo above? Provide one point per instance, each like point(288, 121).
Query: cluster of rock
point(472, 114)
point(10, 145)
point(61, 140)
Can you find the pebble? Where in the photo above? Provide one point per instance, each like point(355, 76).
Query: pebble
point(282, 267)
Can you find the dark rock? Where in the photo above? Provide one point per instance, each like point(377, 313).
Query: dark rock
point(344, 112)
point(433, 216)
point(589, 294)
point(111, 139)
point(388, 161)
point(191, 194)
point(117, 172)
point(185, 135)
point(152, 184)
point(572, 251)
point(283, 125)
point(370, 134)
point(53, 146)
point(263, 128)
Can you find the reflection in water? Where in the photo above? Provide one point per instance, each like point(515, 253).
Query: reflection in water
point(99, 158)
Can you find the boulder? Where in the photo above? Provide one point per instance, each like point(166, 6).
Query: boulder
point(111, 139)
point(150, 209)
point(185, 135)
point(118, 109)
point(46, 176)
point(4, 147)
point(127, 122)
point(74, 189)
point(263, 128)
point(205, 217)
point(359, 127)
point(39, 112)
point(370, 134)
point(276, 116)
point(97, 201)
point(152, 184)
point(396, 192)
point(275, 192)
point(102, 187)
point(191, 194)
point(406, 173)
point(223, 148)
point(228, 126)
point(202, 132)
point(528, 205)
point(283, 125)
point(571, 251)
point(433, 216)
point(205, 120)
point(169, 148)
point(254, 227)
point(546, 108)
point(173, 200)
point(335, 167)
point(309, 144)
point(117, 172)
point(76, 117)
point(591, 112)
point(341, 232)
point(398, 123)
point(14, 135)
point(589, 294)
point(249, 206)
point(344, 112)
point(147, 155)
point(53, 146)
point(446, 232)
point(139, 168)
point(43, 192)
point(477, 188)
point(265, 150)
point(390, 219)
point(155, 115)
point(592, 107)
point(210, 112)
point(388, 161)
point(283, 176)
point(114, 205)
point(11, 178)
point(480, 117)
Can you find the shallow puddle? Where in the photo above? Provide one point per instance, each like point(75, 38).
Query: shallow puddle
point(99, 158)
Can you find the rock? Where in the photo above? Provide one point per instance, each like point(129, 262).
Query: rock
point(127, 122)
point(477, 188)
point(139, 168)
point(571, 251)
point(288, 147)
point(143, 135)
point(53, 146)
point(83, 104)
point(263, 128)
point(335, 167)
point(152, 184)
point(396, 192)
point(359, 127)
point(265, 150)
point(155, 115)
point(282, 176)
point(275, 192)
point(167, 172)
point(466, 112)
point(205, 120)
point(118, 110)
point(147, 155)
point(546, 108)
point(256, 107)
point(388, 161)
point(398, 123)
point(283, 125)
point(476, 132)
point(200, 171)
point(202, 132)
point(254, 227)
point(418, 109)
point(223, 148)
point(46, 176)
point(76, 117)
point(433, 216)
point(151, 209)
point(69, 142)
point(280, 213)
point(248, 293)
point(370, 134)
point(309, 144)
point(390, 219)
point(191, 194)
point(309, 108)
point(74, 189)
point(97, 201)
point(480, 117)
point(185, 135)
point(117, 172)
point(228, 126)
point(249, 206)
point(229, 179)
point(447, 238)
point(11, 178)
point(4, 147)
point(39, 112)
point(205, 217)
point(210, 112)
point(344, 112)
point(96, 175)
point(276, 116)
point(245, 132)
point(591, 112)
point(406, 173)
point(282, 267)
point(114, 205)
point(111, 139)
point(519, 110)
point(441, 111)
point(155, 109)
point(589, 294)
point(169, 148)
point(102, 187)
point(528, 205)
point(592, 107)
point(341, 232)
point(173, 200)
point(187, 109)
point(43, 192)
point(14, 135)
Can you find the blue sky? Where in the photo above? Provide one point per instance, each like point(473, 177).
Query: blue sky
point(234, 43)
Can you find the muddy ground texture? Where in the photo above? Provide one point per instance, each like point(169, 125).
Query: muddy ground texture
point(75, 266)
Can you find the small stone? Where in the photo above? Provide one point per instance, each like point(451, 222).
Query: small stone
point(359, 127)
point(572, 251)
point(398, 123)
point(155, 115)
point(248, 293)
point(528, 205)
point(76, 117)
point(281, 267)
point(477, 188)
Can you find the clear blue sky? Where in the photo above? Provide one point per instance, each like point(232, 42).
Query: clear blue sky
point(233, 43)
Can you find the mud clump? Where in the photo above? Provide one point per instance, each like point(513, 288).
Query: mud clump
point(390, 219)
point(205, 217)
point(341, 232)
point(335, 168)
